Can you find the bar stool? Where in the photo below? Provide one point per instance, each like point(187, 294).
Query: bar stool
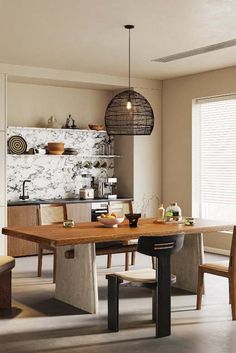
point(6, 265)
point(159, 280)
point(50, 214)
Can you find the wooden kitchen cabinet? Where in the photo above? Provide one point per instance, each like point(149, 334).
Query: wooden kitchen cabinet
point(79, 212)
point(21, 216)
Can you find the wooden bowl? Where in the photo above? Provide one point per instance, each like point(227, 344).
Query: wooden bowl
point(96, 127)
point(55, 147)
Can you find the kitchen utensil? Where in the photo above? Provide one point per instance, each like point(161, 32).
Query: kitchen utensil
point(17, 144)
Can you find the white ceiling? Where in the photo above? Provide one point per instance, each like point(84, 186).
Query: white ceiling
point(87, 35)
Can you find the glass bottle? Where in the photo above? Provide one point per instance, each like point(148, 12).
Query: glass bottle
point(161, 213)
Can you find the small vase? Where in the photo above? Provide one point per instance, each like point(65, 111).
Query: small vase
point(133, 219)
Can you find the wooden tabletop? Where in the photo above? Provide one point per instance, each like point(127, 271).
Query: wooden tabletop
point(91, 232)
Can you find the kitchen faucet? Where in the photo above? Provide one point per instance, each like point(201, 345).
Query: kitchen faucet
point(24, 196)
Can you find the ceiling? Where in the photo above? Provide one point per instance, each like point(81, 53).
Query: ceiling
point(87, 35)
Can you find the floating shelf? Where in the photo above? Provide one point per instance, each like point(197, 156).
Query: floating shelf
point(66, 155)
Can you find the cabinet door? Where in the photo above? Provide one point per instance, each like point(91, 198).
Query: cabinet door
point(21, 216)
point(120, 207)
point(79, 212)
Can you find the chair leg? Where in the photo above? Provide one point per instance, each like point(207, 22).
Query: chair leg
point(200, 288)
point(40, 257)
point(109, 258)
point(127, 261)
point(154, 305)
point(113, 302)
point(54, 265)
point(230, 291)
point(5, 290)
point(233, 297)
point(154, 262)
point(133, 257)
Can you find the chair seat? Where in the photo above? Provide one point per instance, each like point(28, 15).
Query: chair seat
point(219, 266)
point(144, 275)
point(6, 263)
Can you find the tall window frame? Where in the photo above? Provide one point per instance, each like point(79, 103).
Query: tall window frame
point(214, 157)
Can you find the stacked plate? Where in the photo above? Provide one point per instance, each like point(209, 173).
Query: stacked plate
point(70, 151)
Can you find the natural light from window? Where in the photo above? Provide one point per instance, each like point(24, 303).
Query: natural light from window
point(214, 158)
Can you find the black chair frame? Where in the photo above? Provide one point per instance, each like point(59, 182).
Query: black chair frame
point(160, 247)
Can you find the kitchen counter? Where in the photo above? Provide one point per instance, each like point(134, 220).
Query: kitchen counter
point(69, 200)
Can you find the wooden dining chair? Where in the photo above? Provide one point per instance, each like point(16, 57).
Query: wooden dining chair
point(50, 214)
point(160, 247)
point(127, 247)
point(6, 265)
point(223, 269)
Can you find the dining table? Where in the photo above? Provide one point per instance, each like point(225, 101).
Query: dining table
point(76, 276)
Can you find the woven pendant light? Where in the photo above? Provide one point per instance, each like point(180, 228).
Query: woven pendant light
point(129, 113)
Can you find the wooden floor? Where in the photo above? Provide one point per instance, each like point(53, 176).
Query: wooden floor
point(39, 323)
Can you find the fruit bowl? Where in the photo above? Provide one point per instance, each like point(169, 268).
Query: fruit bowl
point(110, 222)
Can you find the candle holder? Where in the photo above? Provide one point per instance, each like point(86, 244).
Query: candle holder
point(133, 219)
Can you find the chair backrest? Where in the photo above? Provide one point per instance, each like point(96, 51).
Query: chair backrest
point(232, 259)
point(52, 214)
point(160, 245)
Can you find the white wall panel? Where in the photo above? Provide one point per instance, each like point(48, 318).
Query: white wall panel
point(2, 224)
point(2, 102)
point(2, 169)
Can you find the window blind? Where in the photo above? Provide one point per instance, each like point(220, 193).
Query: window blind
point(218, 158)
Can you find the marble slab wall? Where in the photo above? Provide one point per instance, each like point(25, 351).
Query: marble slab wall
point(54, 176)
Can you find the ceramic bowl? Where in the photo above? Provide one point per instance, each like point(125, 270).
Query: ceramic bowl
point(110, 222)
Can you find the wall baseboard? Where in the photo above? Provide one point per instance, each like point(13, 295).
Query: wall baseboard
point(216, 251)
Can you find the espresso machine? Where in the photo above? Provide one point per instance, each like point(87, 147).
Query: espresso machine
point(106, 188)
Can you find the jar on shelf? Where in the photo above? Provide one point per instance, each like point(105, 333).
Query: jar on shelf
point(173, 212)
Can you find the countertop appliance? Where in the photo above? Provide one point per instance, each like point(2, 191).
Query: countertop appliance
point(86, 193)
point(107, 188)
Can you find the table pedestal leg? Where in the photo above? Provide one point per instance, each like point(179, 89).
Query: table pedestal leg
point(76, 278)
point(163, 307)
point(184, 264)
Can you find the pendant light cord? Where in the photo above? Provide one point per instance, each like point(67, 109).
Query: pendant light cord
point(129, 59)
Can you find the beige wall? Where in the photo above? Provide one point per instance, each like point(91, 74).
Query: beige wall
point(32, 105)
point(3, 113)
point(177, 124)
point(148, 159)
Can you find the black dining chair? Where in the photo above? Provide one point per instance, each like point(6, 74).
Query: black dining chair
point(159, 281)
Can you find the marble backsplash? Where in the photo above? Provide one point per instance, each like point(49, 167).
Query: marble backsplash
point(57, 176)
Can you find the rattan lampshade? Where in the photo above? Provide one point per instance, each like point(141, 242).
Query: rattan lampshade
point(129, 113)
point(139, 120)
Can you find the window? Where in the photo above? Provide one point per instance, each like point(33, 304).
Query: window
point(214, 158)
